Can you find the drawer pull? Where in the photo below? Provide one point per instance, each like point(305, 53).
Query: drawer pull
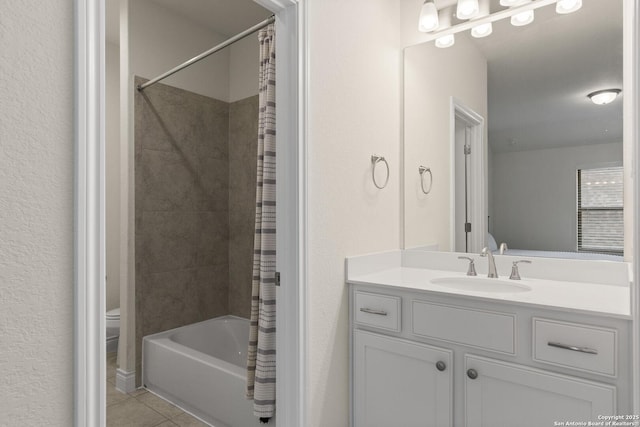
point(373, 311)
point(572, 347)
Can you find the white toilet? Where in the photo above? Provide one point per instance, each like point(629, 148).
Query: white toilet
point(113, 329)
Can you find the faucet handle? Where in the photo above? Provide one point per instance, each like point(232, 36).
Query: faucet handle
point(472, 267)
point(484, 251)
point(503, 248)
point(515, 275)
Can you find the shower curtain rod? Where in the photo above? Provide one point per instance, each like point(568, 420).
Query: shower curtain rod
point(211, 51)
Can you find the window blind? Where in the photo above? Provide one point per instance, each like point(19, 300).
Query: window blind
point(600, 210)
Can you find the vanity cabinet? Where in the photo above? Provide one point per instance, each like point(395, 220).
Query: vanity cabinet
point(400, 383)
point(501, 393)
point(431, 359)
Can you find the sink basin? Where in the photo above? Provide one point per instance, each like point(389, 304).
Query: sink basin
point(480, 284)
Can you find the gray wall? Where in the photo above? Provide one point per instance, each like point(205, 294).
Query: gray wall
point(243, 145)
point(534, 194)
point(195, 160)
point(181, 209)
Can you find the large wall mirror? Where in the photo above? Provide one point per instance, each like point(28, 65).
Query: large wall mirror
point(517, 151)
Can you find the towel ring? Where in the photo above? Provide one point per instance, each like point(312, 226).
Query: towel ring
point(421, 171)
point(375, 159)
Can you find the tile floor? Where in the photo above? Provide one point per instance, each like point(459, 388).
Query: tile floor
point(141, 408)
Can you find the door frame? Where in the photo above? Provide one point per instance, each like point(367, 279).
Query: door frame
point(89, 198)
point(478, 189)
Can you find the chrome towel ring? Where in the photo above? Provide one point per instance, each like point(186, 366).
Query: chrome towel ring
point(375, 159)
point(422, 171)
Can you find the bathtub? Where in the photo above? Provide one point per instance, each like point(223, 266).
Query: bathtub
point(201, 368)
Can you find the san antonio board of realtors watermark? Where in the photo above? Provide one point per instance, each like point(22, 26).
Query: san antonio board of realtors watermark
point(604, 421)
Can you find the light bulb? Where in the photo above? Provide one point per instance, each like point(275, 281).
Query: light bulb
point(522, 18)
point(482, 30)
point(428, 17)
point(603, 97)
point(467, 9)
point(446, 41)
point(568, 6)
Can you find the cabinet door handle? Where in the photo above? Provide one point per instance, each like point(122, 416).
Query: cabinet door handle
point(472, 373)
point(441, 366)
point(572, 347)
point(373, 311)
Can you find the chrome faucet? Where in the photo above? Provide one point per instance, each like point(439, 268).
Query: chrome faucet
point(503, 248)
point(492, 263)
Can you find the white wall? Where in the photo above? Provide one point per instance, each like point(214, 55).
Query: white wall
point(431, 77)
point(36, 213)
point(244, 63)
point(112, 178)
point(354, 111)
point(534, 194)
point(160, 39)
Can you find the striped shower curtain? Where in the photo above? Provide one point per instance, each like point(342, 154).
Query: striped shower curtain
point(261, 357)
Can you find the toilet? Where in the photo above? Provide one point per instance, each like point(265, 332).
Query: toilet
point(113, 329)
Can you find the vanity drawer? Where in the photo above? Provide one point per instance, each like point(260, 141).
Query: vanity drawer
point(381, 311)
point(477, 328)
point(582, 347)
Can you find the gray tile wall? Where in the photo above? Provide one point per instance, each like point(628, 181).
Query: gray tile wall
point(195, 176)
point(243, 147)
point(181, 209)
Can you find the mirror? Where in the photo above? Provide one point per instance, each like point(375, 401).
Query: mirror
point(543, 168)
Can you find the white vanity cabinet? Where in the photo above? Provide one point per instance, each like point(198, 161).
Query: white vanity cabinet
point(400, 383)
point(501, 393)
point(502, 363)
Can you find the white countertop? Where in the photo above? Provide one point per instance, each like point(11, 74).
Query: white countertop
point(597, 298)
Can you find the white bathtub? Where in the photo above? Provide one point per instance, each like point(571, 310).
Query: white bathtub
point(202, 369)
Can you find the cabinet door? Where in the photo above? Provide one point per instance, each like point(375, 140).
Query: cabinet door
point(504, 394)
point(400, 383)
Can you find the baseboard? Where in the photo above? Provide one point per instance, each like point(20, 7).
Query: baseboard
point(125, 381)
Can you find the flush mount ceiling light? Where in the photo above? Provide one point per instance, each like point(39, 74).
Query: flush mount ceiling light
point(603, 97)
point(568, 6)
point(467, 9)
point(428, 17)
point(482, 30)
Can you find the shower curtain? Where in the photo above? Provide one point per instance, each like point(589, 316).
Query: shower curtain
point(261, 357)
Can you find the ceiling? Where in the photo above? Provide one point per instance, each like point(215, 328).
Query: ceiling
point(226, 17)
point(539, 77)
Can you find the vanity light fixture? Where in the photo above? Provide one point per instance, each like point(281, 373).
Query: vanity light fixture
point(482, 30)
point(568, 6)
point(467, 9)
point(480, 20)
point(603, 97)
point(446, 41)
point(428, 17)
point(445, 22)
point(522, 18)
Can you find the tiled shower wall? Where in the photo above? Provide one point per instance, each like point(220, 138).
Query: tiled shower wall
point(243, 147)
point(195, 160)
